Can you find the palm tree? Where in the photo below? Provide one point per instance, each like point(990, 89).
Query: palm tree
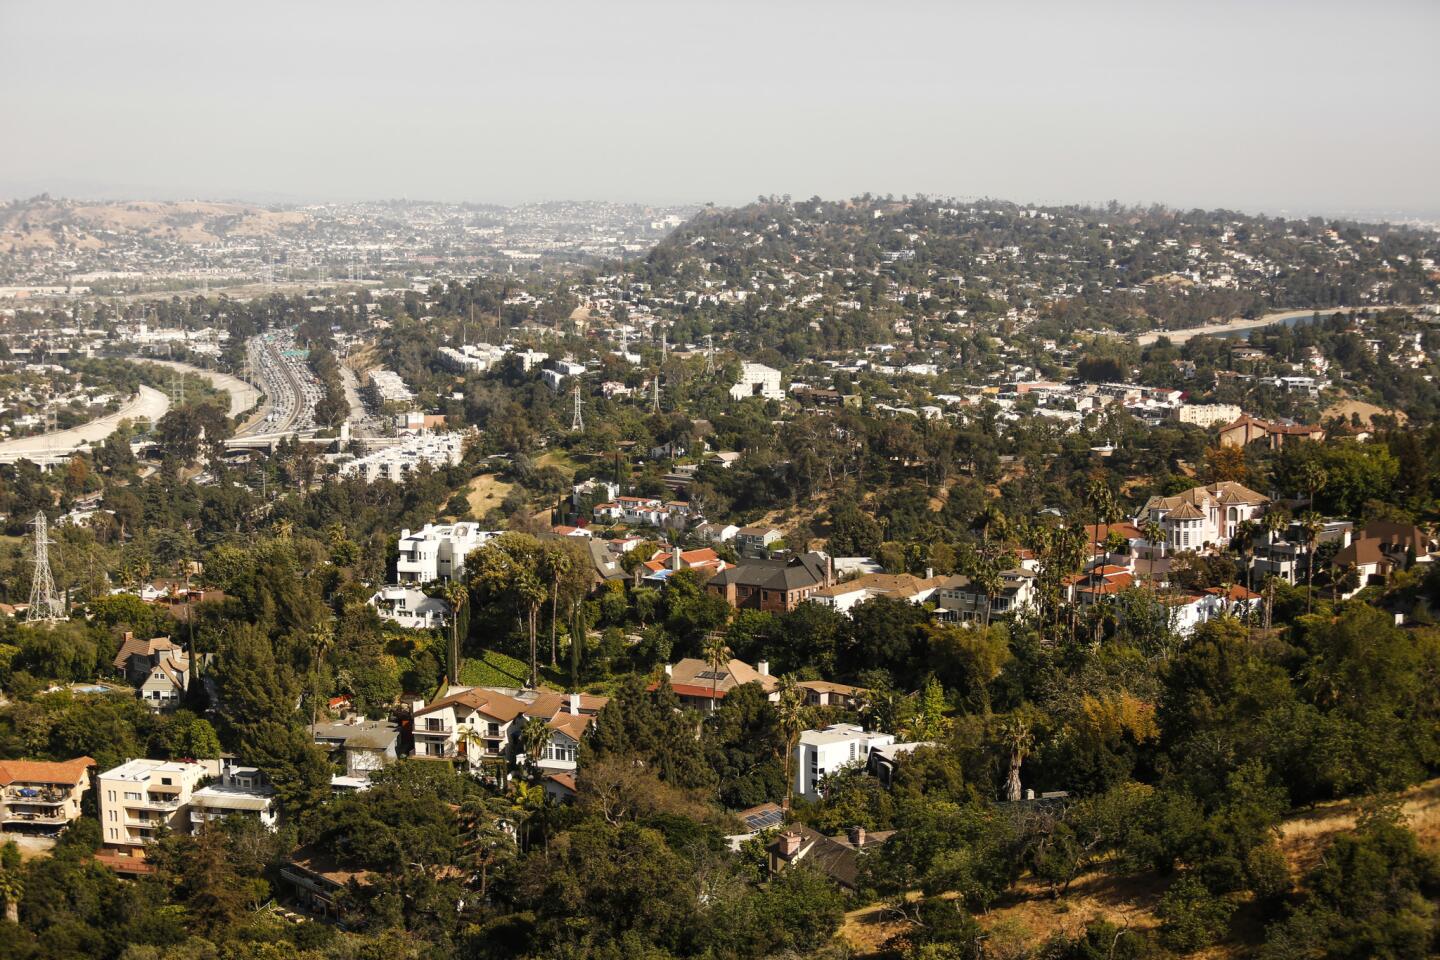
point(1244, 541)
point(717, 658)
point(456, 594)
point(12, 890)
point(1154, 535)
point(789, 713)
point(1310, 527)
point(557, 565)
point(1015, 733)
point(321, 637)
point(1312, 477)
point(534, 738)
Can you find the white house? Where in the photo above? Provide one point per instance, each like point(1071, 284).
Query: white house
point(437, 551)
point(841, 597)
point(468, 723)
point(823, 752)
point(239, 791)
point(1203, 516)
point(409, 608)
point(757, 380)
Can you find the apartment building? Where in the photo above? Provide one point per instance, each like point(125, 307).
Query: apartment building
point(38, 796)
point(757, 380)
point(140, 796)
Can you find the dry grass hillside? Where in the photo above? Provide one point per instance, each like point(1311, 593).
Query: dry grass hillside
point(46, 224)
point(1030, 915)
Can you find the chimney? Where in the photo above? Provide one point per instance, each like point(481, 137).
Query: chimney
point(764, 667)
point(1029, 793)
point(668, 670)
point(857, 837)
point(575, 704)
point(674, 557)
point(789, 843)
point(129, 635)
point(929, 573)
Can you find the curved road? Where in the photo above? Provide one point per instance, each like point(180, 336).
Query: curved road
point(242, 395)
point(148, 403)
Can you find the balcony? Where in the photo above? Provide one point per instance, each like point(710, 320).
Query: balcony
point(35, 795)
point(49, 818)
point(436, 731)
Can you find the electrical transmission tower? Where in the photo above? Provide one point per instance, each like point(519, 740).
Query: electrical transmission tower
point(45, 602)
point(664, 346)
point(709, 353)
point(655, 393)
point(577, 421)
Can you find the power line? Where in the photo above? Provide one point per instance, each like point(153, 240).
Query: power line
point(45, 605)
point(577, 422)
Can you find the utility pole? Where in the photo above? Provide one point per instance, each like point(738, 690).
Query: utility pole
point(45, 605)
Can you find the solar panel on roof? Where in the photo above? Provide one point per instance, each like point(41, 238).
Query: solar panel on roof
point(762, 821)
point(711, 675)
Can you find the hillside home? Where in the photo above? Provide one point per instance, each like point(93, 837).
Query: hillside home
point(820, 753)
point(755, 541)
point(836, 857)
point(1247, 430)
point(757, 380)
point(239, 791)
point(359, 747)
point(701, 688)
point(40, 796)
point(1202, 517)
point(962, 601)
point(437, 551)
point(468, 723)
point(841, 597)
point(775, 585)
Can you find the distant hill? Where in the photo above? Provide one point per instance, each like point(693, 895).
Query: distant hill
point(43, 223)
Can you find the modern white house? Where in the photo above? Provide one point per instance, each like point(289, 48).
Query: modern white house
point(757, 380)
point(141, 796)
point(437, 551)
point(409, 607)
point(822, 752)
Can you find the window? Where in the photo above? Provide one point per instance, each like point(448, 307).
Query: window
point(166, 781)
point(133, 796)
point(113, 833)
point(113, 816)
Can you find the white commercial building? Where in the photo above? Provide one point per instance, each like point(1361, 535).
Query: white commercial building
point(823, 752)
point(757, 380)
point(437, 551)
point(139, 797)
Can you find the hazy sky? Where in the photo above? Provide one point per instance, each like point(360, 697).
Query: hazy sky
point(1256, 105)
